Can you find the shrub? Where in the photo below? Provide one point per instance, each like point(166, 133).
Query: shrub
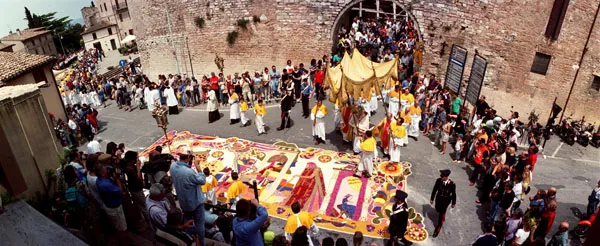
point(243, 23)
point(231, 37)
point(255, 19)
point(199, 22)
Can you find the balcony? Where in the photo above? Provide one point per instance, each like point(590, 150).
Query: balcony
point(120, 7)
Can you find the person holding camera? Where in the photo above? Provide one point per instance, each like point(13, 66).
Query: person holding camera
point(246, 227)
point(187, 183)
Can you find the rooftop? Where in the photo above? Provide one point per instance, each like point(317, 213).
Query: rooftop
point(25, 34)
point(97, 27)
point(4, 46)
point(15, 64)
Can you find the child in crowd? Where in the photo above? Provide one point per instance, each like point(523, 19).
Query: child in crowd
point(458, 148)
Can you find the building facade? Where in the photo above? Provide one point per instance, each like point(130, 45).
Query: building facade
point(533, 48)
point(23, 69)
point(36, 41)
point(116, 11)
point(102, 36)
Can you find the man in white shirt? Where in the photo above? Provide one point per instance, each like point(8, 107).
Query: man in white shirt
point(93, 146)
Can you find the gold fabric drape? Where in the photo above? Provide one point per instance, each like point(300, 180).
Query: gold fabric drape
point(355, 74)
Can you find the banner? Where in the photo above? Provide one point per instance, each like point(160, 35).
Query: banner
point(456, 67)
point(476, 79)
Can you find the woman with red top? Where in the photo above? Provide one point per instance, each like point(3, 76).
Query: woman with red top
point(533, 156)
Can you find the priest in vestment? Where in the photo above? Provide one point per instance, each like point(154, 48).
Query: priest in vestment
point(384, 132)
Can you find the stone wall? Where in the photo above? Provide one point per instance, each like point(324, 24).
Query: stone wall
point(506, 33)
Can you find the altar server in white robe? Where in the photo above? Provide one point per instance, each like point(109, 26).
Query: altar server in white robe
point(261, 112)
point(234, 107)
point(169, 93)
point(394, 101)
point(373, 101)
point(244, 112)
point(317, 116)
point(148, 97)
point(368, 153)
point(415, 115)
point(398, 133)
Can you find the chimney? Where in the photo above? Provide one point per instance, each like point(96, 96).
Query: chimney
point(19, 31)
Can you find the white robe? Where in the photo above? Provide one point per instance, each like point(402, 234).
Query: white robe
point(66, 100)
point(210, 194)
point(152, 96)
point(404, 141)
point(94, 99)
point(393, 105)
point(244, 116)
point(373, 102)
point(366, 162)
point(337, 118)
point(319, 128)
point(260, 124)
point(394, 150)
point(234, 109)
point(413, 130)
point(212, 104)
point(171, 97)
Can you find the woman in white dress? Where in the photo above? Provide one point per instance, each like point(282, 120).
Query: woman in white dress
point(171, 100)
point(234, 107)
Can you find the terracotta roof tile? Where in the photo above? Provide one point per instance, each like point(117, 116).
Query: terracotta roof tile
point(15, 64)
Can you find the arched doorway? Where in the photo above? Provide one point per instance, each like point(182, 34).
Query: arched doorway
point(372, 9)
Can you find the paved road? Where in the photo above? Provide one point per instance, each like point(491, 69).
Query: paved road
point(572, 169)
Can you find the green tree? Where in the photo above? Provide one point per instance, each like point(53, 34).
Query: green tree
point(60, 27)
point(29, 18)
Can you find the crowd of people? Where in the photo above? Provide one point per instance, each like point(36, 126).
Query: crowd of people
point(108, 185)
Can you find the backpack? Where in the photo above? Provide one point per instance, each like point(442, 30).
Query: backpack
point(73, 196)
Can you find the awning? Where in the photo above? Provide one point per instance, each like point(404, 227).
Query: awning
point(128, 39)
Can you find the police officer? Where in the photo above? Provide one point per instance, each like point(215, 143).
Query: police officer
point(399, 219)
point(444, 192)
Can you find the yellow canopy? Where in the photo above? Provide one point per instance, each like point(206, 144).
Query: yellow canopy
point(356, 73)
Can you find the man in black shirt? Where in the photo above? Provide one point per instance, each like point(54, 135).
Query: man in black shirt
point(480, 106)
point(135, 185)
point(444, 192)
point(286, 107)
point(296, 77)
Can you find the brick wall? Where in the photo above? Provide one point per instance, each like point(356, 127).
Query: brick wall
point(506, 33)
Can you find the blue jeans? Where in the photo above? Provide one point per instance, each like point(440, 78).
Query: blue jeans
point(198, 216)
point(495, 211)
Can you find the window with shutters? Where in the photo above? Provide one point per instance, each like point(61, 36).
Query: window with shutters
point(559, 9)
point(94, 36)
point(109, 31)
point(540, 64)
point(596, 83)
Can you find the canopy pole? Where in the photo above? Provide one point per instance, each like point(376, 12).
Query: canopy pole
point(353, 105)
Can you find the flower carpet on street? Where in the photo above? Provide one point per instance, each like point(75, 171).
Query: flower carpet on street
point(321, 180)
